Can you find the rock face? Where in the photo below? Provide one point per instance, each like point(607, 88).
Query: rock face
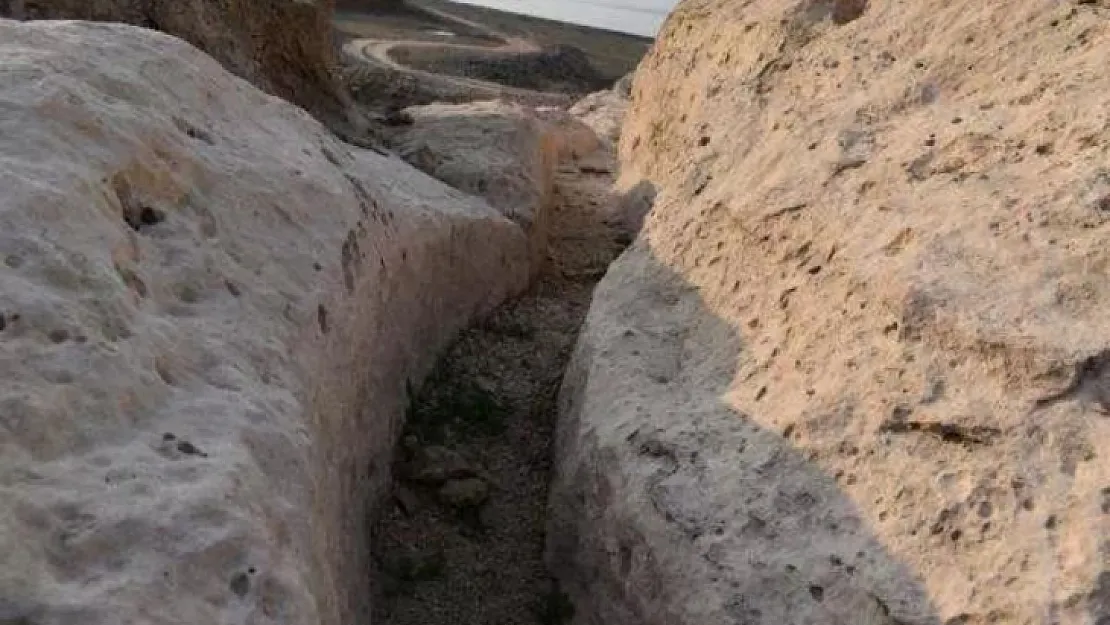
point(209, 311)
point(499, 151)
point(604, 111)
point(574, 139)
point(560, 68)
point(282, 46)
point(853, 368)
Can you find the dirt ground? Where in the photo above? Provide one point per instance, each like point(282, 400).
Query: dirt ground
point(462, 542)
point(406, 24)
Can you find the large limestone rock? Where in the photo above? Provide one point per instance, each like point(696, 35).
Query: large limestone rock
point(604, 111)
point(499, 151)
point(574, 140)
point(853, 369)
point(210, 310)
point(283, 46)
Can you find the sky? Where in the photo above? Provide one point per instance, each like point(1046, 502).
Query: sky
point(640, 17)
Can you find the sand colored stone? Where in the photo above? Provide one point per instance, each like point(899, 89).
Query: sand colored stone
point(209, 312)
point(282, 46)
point(810, 392)
point(604, 111)
point(505, 153)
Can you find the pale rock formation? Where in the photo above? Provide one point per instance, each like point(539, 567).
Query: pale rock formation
point(209, 312)
point(623, 86)
point(573, 138)
point(502, 152)
point(604, 111)
point(634, 202)
point(854, 367)
point(284, 47)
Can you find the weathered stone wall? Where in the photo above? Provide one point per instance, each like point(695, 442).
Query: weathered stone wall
point(210, 310)
point(284, 47)
point(854, 368)
point(505, 153)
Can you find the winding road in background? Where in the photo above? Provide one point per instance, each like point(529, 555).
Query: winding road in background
point(377, 52)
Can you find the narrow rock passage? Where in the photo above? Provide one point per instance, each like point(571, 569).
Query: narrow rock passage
point(461, 542)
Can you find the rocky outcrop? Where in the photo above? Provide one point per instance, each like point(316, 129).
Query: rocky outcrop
point(604, 111)
point(284, 47)
point(623, 86)
point(574, 140)
point(633, 204)
point(853, 368)
point(210, 311)
point(504, 153)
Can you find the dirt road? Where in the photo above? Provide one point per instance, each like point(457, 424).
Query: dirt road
point(377, 51)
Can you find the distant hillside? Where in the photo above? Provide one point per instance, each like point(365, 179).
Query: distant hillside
point(613, 54)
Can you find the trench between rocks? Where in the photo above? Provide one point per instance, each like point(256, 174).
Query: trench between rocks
point(460, 536)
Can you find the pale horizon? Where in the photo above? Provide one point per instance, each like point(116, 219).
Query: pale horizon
point(636, 17)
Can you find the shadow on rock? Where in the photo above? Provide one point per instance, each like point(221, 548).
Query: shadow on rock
point(670, 507)
point(633, 207)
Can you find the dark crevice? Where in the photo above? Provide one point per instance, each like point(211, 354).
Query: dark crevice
point(461, 536)
point(971, 436)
